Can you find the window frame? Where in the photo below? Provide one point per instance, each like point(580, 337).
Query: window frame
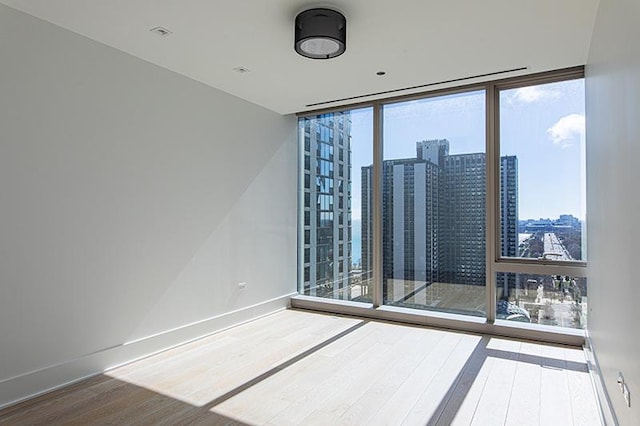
point(495, 263)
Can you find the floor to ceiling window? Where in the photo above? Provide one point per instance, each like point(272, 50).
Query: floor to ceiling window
point(433, 203)
point(463, 201)
point(541, 132)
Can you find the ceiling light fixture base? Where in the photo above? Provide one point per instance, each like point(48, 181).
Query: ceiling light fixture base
point(320, 33)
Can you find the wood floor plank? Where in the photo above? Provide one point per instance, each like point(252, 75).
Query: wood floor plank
point(494, 402)
point(209, 372)
point(461, 407)
point(344, 378)
point(318, 373)
point(555, 401)
point(408, 355)
point(524, 404)
point(303, 368)
point(396, 409)
point(584, 405)
point(442, 385)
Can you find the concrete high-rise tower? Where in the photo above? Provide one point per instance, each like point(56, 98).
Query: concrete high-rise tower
point(463, 230)
point(434, 218)
point(508, 218)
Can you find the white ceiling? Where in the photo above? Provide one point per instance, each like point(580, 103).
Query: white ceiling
point(416, 42)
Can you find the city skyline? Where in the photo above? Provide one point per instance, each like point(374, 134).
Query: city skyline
point(547, 175)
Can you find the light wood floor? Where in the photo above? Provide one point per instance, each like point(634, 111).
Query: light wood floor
point(304, 368)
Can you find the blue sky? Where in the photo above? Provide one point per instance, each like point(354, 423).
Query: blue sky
point(542, 125)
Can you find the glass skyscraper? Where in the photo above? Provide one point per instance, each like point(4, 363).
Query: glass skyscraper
point(326, 205)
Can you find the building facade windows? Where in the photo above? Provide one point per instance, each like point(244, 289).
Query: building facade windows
point(332, 272)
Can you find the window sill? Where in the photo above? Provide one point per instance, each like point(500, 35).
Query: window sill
point(464, 323)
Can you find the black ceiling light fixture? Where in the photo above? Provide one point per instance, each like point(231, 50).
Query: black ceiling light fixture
point(320, 33)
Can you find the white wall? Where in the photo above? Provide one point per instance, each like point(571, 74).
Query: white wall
point(133, 200)
point(613, 210)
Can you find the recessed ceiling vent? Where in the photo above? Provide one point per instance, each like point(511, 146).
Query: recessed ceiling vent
point(161, 31)
point(420, 86)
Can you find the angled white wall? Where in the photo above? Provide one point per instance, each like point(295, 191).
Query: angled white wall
point(133, 202)
point(613, 152)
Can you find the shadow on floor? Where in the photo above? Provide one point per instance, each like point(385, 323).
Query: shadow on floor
point(461, 385)
point(103, 400)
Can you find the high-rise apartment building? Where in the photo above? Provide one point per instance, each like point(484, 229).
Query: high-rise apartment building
point(326, 205)
point(509, 205)
point(434, 217)
point(508, 220)
point(411, 208)
point(463, 230)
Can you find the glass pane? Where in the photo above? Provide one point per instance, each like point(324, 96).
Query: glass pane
point(542, 299)
point(542, 171)
point(331, 222)
point(434, 204)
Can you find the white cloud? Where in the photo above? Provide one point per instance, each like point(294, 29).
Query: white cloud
point(567, 129)
point(533, 93)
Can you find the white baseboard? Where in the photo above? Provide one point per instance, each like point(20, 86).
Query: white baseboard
point(608, 416)
point(29, 385)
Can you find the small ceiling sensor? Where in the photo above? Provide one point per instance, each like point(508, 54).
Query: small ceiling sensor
point(241, 70)
point(381, 73)
point(161, 31)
